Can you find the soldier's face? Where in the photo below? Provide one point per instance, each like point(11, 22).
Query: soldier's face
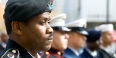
point(4, 37)
point(107, 38)
point(94, 45)
point(60, 40)
point(37, 32)
point(78, 40)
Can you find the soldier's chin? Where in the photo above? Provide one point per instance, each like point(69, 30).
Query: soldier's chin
point(81, 46)
point(48, 47)
point(64, 47)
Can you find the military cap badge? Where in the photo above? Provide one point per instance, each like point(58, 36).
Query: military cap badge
point(50, 5)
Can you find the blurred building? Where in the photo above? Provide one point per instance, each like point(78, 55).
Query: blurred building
point(2, 26)
point(93, 10)
point(70, 7)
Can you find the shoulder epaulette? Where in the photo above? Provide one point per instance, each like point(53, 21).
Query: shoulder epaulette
point(11, 53)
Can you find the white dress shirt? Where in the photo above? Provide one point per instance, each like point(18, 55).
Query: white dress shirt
point(93, 53)
point(38, 56)
point(105, 49)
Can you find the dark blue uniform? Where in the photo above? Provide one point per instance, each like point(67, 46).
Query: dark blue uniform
point(14, 50)
point(86, 54)
point(1, 48)
point(68, 53)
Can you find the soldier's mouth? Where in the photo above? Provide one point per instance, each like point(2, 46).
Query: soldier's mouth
point(48, 42)
point(50, 37)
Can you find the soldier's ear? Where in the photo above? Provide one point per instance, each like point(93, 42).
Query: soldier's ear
point(70, 35)
point(16, 27)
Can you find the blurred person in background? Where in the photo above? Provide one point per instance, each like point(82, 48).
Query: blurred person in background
point(76, 39)
point(93, 44)
point(106, 40)
point(4, 39)
point(60, 37)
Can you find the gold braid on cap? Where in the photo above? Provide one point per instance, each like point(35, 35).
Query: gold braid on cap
point(85, 25)
point(64, 17)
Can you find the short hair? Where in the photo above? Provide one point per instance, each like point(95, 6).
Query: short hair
point(9, 27)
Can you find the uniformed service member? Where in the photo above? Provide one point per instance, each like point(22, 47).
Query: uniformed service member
point(27, 26)
point(106, 39)
point(76, 39)
point(93, 44)
point(60, 37)
point(4, 38)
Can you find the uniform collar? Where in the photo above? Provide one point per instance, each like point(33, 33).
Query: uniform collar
point(93, 53)
point(105, 48)
point(22, 51)
point(38, 56)
point(53, 50)
point(75, 51)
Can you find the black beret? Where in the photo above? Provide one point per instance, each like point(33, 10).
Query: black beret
point(20, 10)
point(93, 35)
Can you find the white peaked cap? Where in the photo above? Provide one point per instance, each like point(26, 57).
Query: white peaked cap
point(77, 23)
point(105, 27)
point(58, 20)
point(78, 26)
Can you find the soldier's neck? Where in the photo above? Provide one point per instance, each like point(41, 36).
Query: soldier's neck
point(74, 47)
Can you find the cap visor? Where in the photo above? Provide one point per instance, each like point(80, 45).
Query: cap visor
point(83, 32)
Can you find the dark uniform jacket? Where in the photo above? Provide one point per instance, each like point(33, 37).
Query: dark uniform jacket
point(104, 54)
point(52, 53)
point(1, 48)
point(13, 50)
point(86, 54)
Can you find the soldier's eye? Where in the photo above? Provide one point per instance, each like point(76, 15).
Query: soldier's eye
point(42, 23)
point(48, 22)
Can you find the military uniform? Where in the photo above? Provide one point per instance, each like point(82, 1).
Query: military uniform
point(104, 54)
point(77, 26)
point(14, 50)
point(52, 53)
point(1, 48)
point(92, 37)
point(105, 51)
